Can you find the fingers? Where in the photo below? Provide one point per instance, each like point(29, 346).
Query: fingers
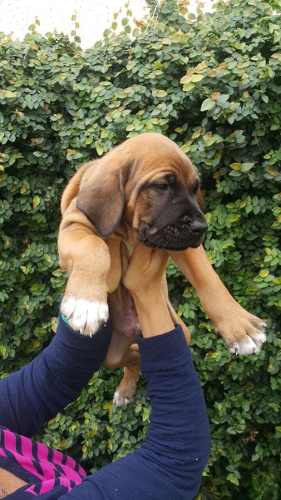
point(151, 260)
point(145, 264)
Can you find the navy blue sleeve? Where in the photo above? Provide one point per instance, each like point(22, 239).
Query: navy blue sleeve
point(170, 462)
point(39, 390)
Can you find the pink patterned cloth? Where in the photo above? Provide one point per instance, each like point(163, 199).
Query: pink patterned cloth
point(43, 468)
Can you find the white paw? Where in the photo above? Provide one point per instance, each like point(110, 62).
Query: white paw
point(83, 315)
point(249, 345)
point(120, 400)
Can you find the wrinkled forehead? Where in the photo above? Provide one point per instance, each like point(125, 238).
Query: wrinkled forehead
point(162, 163)
point(152, 154)
point(152, 167)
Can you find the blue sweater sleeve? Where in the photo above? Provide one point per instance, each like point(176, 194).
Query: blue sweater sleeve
point(170, 462)
point(38, 391)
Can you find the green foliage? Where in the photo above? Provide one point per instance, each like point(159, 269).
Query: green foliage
point(212, 85)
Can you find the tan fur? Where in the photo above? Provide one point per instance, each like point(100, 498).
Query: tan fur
point(95, 265)
point(72, 188)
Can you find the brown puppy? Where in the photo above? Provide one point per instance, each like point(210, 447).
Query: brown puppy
point(145, 190)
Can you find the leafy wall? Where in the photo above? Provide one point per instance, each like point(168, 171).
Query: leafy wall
point(214, 86)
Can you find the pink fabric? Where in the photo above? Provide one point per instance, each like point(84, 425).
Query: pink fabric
point(45, 473)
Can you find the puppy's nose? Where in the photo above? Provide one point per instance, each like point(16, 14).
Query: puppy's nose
point(198, 226)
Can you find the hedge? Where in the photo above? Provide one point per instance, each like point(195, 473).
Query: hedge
point(212, 84)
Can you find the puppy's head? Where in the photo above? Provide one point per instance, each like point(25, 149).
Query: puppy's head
point(149, 184)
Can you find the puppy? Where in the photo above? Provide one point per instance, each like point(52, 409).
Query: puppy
point(145, 190)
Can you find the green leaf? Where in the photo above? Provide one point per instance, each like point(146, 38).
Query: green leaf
point(235, 166)
point(99, 149)
point(159, 93)
point(8, 94)
point(191, 78)
point(232, 478)
point(197, 78)
point(36, 201)
point(207, 105)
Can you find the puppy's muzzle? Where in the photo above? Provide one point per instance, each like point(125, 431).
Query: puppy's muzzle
point(184, 233)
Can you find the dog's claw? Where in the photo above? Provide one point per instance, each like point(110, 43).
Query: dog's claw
point(260, 338)
point(83, 315)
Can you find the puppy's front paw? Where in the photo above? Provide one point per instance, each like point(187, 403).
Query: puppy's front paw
point(248, 345)
point(243, 332)
point(84, 315)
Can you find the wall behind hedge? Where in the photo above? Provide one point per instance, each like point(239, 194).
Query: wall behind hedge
point(214, 86)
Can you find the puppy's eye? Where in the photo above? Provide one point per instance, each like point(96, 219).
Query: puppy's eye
point(162, 186)
point(171, 179)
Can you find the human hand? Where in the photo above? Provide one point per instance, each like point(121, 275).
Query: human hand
point(146, 270)
point(145, 282)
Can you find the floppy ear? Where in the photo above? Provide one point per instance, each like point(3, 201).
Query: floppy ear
point(102, 198)
point(72, 188)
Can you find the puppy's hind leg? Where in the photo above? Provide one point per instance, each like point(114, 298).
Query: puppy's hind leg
point(126, 390)
point(122, 352)
point(123, 355)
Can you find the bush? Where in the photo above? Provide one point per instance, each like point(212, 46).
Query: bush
point(212, 84)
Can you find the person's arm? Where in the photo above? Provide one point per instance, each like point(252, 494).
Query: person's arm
point(39, 390)
point(170, 462)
